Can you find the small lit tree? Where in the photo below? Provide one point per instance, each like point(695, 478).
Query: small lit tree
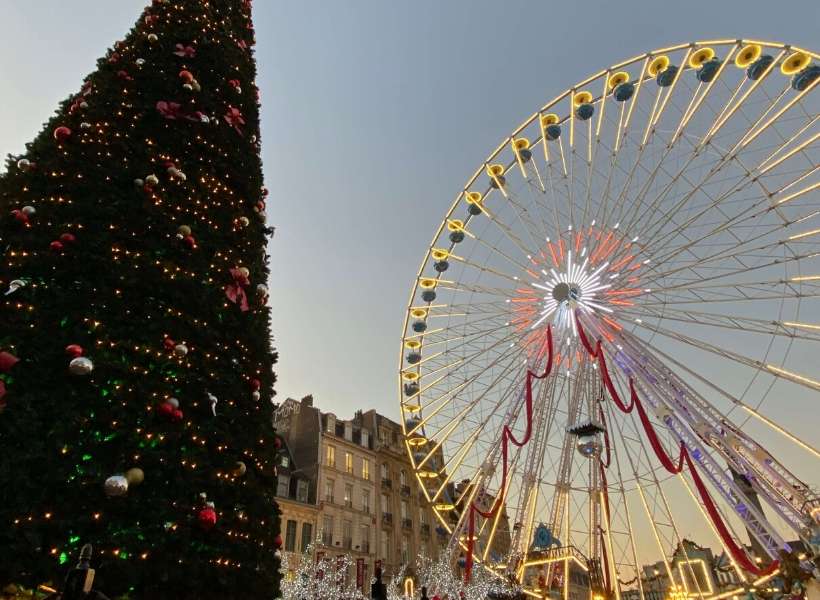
point(324, 579)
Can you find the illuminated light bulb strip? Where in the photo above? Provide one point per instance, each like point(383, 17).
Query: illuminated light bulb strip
point(794, 376)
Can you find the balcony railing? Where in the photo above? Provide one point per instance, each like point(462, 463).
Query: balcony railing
point(407, 523)
point(387, 518)
point(327, 539)
point(405, 491)
point(387, 483)
point(329, 499)
point(425, 529)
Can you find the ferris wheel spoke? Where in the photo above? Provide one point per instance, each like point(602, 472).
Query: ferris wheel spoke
point(769, 327)
point(736, 357)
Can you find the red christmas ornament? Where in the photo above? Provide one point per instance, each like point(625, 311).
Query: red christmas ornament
point(166, 409)
point(190, 241)
point(67, 238)
point(56, 246)
point(186, 76)
point(177, 415)
point(20, 216)
point(277, 541)
point(206, 517)
point(169, 343)
point(255, 384)
point(62, 133)
point(7, 361)
point(74, 350)
point(277, 442)
point(124, 76)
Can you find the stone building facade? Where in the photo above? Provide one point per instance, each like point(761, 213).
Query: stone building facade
point(359, 482)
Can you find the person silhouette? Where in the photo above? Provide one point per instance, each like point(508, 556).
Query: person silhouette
point(424, 593)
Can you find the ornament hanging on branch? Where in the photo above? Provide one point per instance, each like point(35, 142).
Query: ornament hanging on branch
point(81, 365)
point(118, 485)
point(62, 133)
point(206, 513)
point(115, 486)
point(25, 165)
point(170, 410)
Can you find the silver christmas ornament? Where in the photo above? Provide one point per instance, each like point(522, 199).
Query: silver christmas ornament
point(116, 485)
point(173, 402)
point(28, 211)
point(255, 395)
point(80, 366)
point(181, 349)
point(24, 164)
point(152, 180)
point(139, 183)
point(85, 125)
point(140, 61)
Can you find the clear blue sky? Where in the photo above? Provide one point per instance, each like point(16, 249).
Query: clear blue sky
point(374, 114)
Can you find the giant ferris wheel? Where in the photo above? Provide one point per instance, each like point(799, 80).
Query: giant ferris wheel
point(612, 340)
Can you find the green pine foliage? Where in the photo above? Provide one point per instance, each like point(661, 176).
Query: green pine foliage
point(144, 254)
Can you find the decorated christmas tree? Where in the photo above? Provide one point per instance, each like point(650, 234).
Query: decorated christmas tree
point(135, 359)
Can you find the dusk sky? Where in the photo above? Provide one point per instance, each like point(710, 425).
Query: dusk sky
point(374, 114)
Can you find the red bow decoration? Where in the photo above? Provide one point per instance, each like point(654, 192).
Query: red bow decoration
point(2, 394)
point(7, 361)
point(242, 44)
point(234, 118)
point(185, 51)
point(150, 19)
point(170, 110)
point(234, 83)
point(235, 292)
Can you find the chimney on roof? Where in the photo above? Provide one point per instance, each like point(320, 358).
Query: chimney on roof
point(307, 400)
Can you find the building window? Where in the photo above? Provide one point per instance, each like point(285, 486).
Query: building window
point(385, 504)
point(302, 490)
point(347, 534)
point(330, 457)
point(366, 501)
point(385, 471)
point(404, 509)
point(422, 516)
point(405, 549)
point(327, 531)
point(282, 486)
point(290, 536)
point(329, 490)
point(348, 495)
point(284, 462)
point(386, 546)
point(403, 477)
point(349, 462)
point(307, 536)
point(365, 469)
point(365, 540)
